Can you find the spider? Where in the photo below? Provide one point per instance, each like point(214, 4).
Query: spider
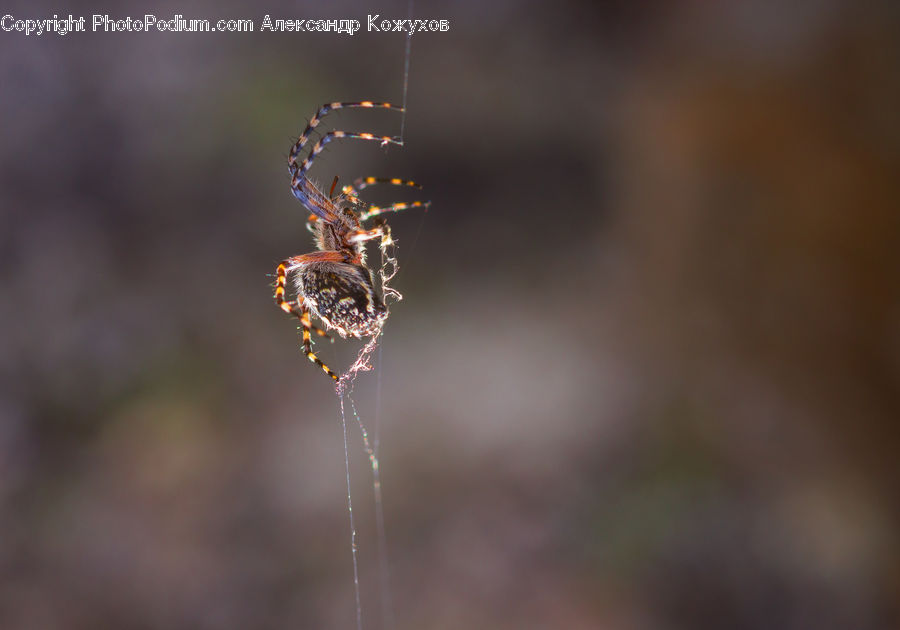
point(334, 283)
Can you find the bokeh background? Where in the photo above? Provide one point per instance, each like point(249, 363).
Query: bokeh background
point(646, 374)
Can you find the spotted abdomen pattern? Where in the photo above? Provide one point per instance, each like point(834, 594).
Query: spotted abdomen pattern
point(343, 296)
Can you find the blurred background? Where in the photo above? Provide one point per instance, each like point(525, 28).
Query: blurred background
point(646, 374)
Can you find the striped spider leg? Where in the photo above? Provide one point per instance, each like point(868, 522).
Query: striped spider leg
point(351, 192)
point(359, 184)
point(300, 310)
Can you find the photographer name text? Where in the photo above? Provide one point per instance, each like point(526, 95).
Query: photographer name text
point(179, 24)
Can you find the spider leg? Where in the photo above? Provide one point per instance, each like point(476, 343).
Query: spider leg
point(313, 199)
point(374, 211)
point(360, 183)
point(352, 190)
point(319, 146)
point(300, 311)
point(288, 265)
point(311, 219)
point(365, 235)
point(321, 113)
point(307, 345)
point(288, 307)
point(307, 193)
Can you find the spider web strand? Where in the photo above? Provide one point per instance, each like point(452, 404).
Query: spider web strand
point(354, 547)
point(387, 608)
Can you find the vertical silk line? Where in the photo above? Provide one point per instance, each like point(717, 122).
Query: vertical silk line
point(406, 76)
point(387, 604)
point(405, 87)
point(371, 448)
point(354, 548)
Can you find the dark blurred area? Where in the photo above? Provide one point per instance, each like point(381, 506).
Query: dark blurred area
point(646, 374)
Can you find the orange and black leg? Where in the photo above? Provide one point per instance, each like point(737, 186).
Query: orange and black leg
point(300, 187)
point(307, 344)
point(317, 118)
point(374, 211)
point(300, 311)
point(352, 191)
point(361, 183)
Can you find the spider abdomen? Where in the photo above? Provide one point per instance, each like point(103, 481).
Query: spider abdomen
point(342, 295)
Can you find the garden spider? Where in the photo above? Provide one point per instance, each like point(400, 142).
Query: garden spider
point(334, 283)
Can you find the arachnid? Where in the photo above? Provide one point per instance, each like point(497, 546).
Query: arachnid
point(334, 283)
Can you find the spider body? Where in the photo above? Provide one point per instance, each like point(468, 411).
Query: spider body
point(334, 283)
point(342, 296)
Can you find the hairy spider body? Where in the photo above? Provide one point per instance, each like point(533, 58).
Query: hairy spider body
point(334, 283)
point(343, 296)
